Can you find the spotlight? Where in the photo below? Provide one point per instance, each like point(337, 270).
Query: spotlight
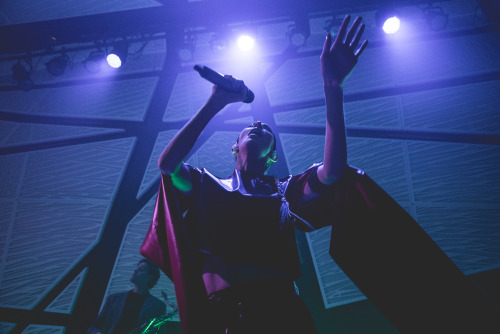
point(388, 19)
point(187, 48)
point(21, 76)
point(298, 33)
point(57, 65)
point(246, 42)
point(94, 61)
point(436, 18)
point(117, 57)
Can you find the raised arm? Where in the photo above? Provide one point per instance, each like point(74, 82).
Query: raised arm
point(338, 59)
point(172, 157)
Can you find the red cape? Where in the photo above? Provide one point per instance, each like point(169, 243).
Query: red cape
point(379, 246)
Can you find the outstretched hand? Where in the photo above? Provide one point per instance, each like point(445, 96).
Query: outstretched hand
point(339, 59)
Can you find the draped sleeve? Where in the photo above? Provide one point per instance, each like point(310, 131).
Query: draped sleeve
point(377, 244)
point(168, 245)
point(393, 261)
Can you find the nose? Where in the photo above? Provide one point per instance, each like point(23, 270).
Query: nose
point(258, 124)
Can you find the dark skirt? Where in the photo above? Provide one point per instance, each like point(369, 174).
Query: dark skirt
point(259, 307)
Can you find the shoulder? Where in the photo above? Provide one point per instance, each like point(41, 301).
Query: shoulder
point(152, 299)
point(116, 298)
point(300, 178)
point(155, 304)
point(118, 294)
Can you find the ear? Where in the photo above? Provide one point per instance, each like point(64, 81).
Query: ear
point(235, 149)
point(272, 156)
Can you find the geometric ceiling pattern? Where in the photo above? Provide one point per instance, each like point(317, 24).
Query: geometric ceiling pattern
point(78, 152)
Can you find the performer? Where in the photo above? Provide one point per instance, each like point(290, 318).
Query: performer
point(228, 244)
point(242, 227)
point(125, 311)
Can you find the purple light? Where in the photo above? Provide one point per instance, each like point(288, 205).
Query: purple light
point(113, 60)
point(246, 42)
point(391, 25)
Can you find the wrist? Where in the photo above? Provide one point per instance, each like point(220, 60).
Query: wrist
point(332, 85)
point(333, 90)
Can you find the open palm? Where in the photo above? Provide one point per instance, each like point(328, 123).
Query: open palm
point(339, 58)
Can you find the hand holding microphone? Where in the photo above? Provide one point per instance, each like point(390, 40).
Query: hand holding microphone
point(220, 81)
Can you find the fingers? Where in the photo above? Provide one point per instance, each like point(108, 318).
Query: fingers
point(356, 39)
point(353, 31)
point(328, 44)
point(361, 49)
point(349, 38)
point(342, 29)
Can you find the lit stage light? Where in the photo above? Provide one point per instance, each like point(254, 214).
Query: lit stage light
point(246, 42)
point(388, 19)
point(114, 60)
point(117, 57)
point(391, 25)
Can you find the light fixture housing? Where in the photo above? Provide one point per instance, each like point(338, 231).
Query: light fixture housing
point(22, 75)
point(187, 47)
point(94, 61)
point(57, 65)
point(436, 18)
point(298, 33)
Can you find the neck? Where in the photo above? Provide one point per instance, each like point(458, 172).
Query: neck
point(141, 290)
point(253, 167)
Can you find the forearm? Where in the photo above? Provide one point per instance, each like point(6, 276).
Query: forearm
point(335, 154)
point(179, 147)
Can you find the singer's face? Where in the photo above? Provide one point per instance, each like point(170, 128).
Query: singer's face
point(258, 139)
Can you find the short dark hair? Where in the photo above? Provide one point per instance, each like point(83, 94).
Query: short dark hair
point(152, 270)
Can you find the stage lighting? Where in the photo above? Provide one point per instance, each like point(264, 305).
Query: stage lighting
point(246, 42)
point(436, 18)
point(57, 65)
point(22, 76)
point(117, 57)
point(94, 61)
point(388, 19)
point(185, 51)
point(298, 34)
point(218, 42)
point(391, 25)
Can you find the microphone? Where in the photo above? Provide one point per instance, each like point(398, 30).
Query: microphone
point(218, 79)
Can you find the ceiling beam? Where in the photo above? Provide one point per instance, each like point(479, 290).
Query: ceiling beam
point(42, 35)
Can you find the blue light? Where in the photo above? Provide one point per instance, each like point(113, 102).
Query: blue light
point(246, 42)
point(391, 25)
point(113, 60)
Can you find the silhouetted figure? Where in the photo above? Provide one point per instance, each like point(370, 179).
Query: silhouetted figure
point(125, 311)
